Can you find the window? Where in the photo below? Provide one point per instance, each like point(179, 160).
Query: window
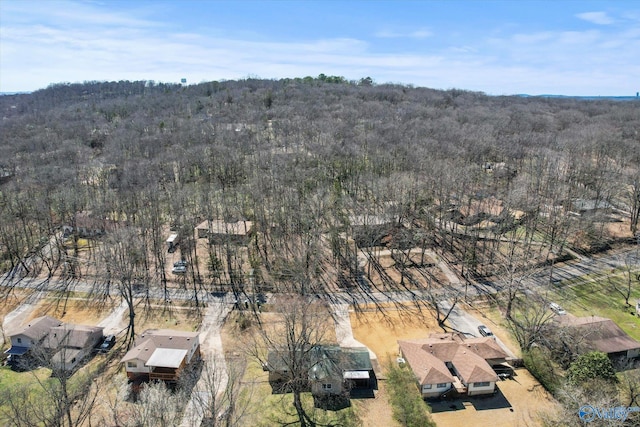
point(426, 386)
point(482, 384)
point(19, 340)
point(326, 386)
point(132, 364)
point(441, 385)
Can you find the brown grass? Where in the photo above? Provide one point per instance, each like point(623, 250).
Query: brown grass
point(380, 331)
point(11, 301)
point(73, 310)
point(178, 317)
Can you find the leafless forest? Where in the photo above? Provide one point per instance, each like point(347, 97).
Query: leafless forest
point(317, 165)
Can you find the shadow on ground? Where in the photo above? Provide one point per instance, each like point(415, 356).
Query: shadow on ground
point(480, 403)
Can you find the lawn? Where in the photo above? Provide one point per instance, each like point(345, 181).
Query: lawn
point(594, 295)
point(37, 380)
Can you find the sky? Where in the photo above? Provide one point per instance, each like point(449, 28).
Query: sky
point(564, 47)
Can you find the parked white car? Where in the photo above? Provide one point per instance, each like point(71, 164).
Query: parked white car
point(557, 309)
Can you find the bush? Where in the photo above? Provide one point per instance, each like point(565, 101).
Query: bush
point(538, 362)
point(591, 366)
point(408, 407)
point(244, 321)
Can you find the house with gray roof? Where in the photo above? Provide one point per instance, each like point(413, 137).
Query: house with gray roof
point(221, 232)
point(70, 344)
point(330, 370)
point(32, 334)
point(65, 345)
point(162, 354)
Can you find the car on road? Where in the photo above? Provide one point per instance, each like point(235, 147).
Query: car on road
point(484, 331)
point(108, 342)
point(557, 309)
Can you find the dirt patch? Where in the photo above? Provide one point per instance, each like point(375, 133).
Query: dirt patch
point(380, 330)
point(375, 412)
point(73, 310)
point(519, 402)
point(13, 299)
point(385, 273)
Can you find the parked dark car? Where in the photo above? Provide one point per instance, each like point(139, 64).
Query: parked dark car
point(18, 363)
point(108, 342)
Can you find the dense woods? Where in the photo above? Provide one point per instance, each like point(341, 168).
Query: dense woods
point(314, 163)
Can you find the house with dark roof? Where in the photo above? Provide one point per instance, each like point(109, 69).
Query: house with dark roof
point(330, 370)
point(162, 354)
point(65, 345)
point(601, 334)
point(445, 362)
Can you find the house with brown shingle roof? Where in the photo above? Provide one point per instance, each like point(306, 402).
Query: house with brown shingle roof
point(601, 334)
point(161, 354)
point(443, 362)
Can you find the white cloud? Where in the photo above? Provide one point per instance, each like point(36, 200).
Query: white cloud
point(422, 33)
point(110, 46)
point(599, 18)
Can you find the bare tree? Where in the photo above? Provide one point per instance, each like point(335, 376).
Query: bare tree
point(291, 343)
point(156, 405)
point(629, 278)
point(221, 394)
point(530, 320)
point(54, 401)
point(124, 258)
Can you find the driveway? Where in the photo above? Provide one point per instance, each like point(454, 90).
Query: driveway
point(213, 354)
point(467, 324)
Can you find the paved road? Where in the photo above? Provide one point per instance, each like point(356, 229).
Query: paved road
point(467, 324)
point(539, 277)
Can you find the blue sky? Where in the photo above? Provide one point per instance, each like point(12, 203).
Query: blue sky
point(565, 47)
